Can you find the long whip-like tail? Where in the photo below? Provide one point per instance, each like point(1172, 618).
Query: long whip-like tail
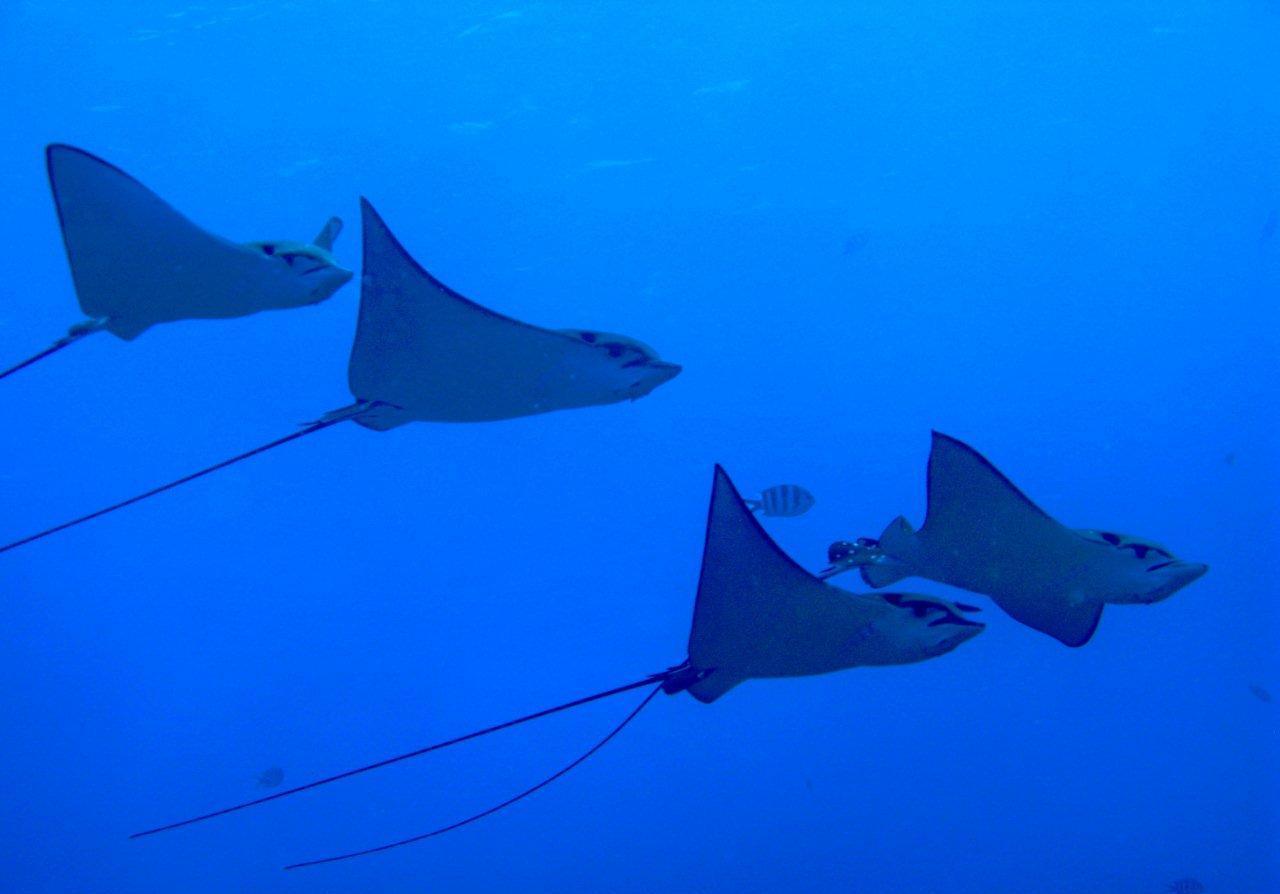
point(300, 433)
point(79, 331)
point(652, 679)
point(494, 809)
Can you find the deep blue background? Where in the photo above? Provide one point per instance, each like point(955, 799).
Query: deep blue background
point(1037, 226)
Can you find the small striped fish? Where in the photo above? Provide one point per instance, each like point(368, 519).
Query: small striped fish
point(1187, 886)
point(782, 501)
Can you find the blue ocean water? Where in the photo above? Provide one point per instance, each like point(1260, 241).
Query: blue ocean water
point(1045, 228)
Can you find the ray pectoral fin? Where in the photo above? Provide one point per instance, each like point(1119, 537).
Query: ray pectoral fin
point(713, 685)
point(891, 560)
point(898, 538)
point(328, 234)
point(962, 480)
point(1071, 622)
